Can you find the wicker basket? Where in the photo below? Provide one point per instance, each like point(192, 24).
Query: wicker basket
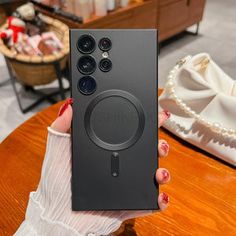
point(39, 70)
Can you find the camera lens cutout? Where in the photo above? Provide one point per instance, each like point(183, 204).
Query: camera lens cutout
point(87, 85)
point(86, 44)
point(105, 65)
point(105, 44)
point(87, 65)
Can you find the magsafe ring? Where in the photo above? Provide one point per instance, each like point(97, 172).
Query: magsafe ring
point(127, 107)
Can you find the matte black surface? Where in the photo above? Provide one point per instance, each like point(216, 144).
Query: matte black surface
point(114, 130)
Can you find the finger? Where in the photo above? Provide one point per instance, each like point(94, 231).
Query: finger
point(163, 148)
point(162, 117)
point(63, 122)
point(163, 201)
point(162, 176)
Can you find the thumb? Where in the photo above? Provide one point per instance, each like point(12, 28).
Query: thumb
point(62, 123)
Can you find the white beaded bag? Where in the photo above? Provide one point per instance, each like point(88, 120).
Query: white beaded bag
point(202, 101)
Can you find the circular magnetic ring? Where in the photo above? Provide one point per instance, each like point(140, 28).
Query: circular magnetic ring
point(114, 120)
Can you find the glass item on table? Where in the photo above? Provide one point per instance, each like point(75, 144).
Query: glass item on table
point(82, 9)
point(117, 4)
point(91, 5)
point(124, 3)
point(100, 7)
point(111, 5)
point(69, 6)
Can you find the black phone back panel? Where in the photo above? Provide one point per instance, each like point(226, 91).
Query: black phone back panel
point(114, 128)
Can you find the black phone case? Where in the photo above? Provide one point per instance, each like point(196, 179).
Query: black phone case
point(114, 130)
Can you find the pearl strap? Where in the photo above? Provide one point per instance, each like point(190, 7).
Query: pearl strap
point(170, 88)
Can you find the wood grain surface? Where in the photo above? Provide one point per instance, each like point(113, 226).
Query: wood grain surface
point(202, 189)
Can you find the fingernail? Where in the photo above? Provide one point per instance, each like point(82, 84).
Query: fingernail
point(163, 116)
point(165, 147)
point(165, 198)
point(167, 113)
point(165, 175)
point(68, 102)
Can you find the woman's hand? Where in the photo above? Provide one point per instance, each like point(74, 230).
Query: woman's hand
point(63, 125)
point(49, 209)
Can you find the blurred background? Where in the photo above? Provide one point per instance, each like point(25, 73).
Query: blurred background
point(34, 43)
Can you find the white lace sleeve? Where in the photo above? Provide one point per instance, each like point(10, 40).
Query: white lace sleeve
point(49, 209)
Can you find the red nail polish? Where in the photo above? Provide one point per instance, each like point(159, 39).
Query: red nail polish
point(68, 102)
point(167, 113)
point(165, 198)
point(165, 175)
point(165, 147)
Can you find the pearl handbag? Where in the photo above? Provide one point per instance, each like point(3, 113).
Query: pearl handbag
point(202, 101)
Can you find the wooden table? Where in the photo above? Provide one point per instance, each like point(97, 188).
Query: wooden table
point(202, 189)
